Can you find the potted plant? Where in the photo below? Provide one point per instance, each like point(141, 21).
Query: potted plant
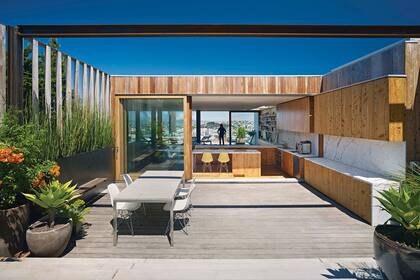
point(76, 211)
point(49, 238)
point(14, 210)
point(397, 244)
point(240, 135)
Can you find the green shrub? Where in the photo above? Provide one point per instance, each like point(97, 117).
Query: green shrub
point(53, 197)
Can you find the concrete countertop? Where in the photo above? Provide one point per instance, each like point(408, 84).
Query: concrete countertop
point(293, 151)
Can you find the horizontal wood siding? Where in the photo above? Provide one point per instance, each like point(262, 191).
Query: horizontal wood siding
point(296, 115)
point(353, 194)
point(370, 110)
point(216, 84)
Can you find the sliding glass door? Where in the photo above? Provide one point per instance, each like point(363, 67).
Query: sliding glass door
point(153, 134)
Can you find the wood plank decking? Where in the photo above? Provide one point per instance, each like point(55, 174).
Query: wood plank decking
point(278, 220)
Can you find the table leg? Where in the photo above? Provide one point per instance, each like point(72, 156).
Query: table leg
point(171, 224)
point(115, 222)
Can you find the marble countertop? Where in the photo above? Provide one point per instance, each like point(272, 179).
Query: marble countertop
point(359, 174)
point(213, 146)
point(293, 151)
point(229, 151)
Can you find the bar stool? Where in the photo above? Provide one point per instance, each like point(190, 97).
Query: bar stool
point(207, 160)
point(223, 161)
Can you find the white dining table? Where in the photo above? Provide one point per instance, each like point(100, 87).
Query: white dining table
point(152, 189)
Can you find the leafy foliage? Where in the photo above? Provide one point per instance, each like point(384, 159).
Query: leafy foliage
point(24, 167)
point(76, 211)
point(53, 197)
point(241, 132)
point(403, 204)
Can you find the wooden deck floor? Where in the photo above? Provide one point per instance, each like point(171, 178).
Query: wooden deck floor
point(280, 220)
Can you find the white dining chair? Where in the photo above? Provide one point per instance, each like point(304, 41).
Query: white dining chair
point(127, 179)
point(124, 209)
point(181, 208)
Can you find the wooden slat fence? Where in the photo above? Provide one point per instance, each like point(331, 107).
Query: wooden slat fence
point(2, 70)
point(90, 90)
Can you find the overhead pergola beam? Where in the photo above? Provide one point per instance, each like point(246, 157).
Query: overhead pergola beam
point(223, 30)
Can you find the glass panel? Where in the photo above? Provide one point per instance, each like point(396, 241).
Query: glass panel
point(210, 123)
point(248, 123)
point(154, 134)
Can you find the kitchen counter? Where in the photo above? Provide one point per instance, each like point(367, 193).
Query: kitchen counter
point(293, 152)
point(242, 162)
point(229, 151)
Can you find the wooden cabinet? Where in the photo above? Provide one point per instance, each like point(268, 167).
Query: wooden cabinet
point(287, 163)
point(353, 194)
point(371, 110)
point(296, 115)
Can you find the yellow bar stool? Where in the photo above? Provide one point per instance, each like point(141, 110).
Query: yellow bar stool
point(207, 160)
point(223, 161)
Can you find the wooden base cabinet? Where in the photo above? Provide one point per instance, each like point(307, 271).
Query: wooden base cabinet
point(353, 194)
point(287, 163)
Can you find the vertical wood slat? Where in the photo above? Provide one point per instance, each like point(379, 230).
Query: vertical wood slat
point(76, 82)
point(2, 70)
point(35, 78)
point(96, 92)
point(68, 87)
point(102, 95)
point(91, 103)
point(59, 93)
point(85, 97)
point(108, 97)
point(48, 81)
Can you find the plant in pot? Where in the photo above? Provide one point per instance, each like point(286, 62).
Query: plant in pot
point(49, 237)
point(14, 210)
point(21, 156)
point(397, 244)
point(240, 135)
point(76, 211)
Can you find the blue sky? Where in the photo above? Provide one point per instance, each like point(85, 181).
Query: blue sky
point(214, 55)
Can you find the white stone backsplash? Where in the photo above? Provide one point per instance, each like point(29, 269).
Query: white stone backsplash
point(381, 157)
point(291, 138)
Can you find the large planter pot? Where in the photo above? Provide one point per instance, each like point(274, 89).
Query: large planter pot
point(13, 225)
point(84, 167)
point(395, 260)
point(51, 242)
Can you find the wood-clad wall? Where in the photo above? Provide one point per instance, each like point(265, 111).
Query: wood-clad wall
point(412, 101)
point(296, 115)
point(387, 61)
point(216, 84)
point(353, 194)
point(371, 110)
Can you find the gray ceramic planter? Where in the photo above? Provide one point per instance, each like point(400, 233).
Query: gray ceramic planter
point(50, 243)
point(13, 224)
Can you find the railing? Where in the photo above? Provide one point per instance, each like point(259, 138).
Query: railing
point(84, 86)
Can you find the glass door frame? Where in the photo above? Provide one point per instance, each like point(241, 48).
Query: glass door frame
point(119, 131)
point(239, 111)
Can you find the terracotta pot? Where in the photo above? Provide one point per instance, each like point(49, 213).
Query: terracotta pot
point(395, 261)
point(13, 224)
point(51, 242)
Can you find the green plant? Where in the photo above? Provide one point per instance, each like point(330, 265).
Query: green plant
point(53, 197)
point(241, 132)
point(403, 204)
point(76, 211)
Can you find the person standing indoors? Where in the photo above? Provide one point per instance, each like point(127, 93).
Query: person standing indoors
point(221, 131)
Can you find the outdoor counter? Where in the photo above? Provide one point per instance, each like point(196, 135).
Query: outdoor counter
point(243, 163)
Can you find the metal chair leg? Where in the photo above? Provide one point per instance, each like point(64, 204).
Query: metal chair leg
point(130, 225)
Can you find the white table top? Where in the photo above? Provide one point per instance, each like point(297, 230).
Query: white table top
point(162, 174)
point(150, 190)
